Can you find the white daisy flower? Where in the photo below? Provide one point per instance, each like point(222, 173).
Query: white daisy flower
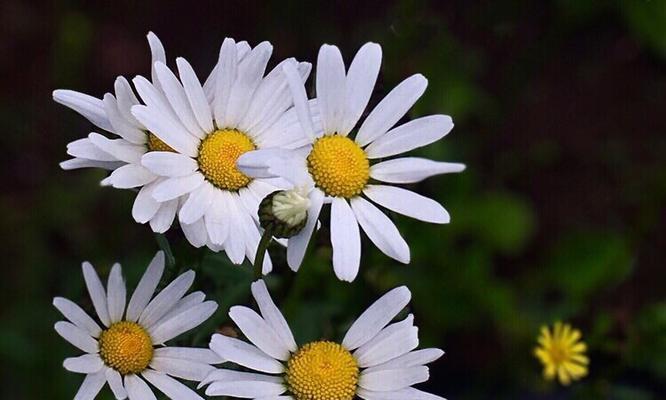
point(341, 170)
point(209, 127)
point(129, 343)
point(376, 360)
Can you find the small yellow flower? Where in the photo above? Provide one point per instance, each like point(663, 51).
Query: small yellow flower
point(562, 353)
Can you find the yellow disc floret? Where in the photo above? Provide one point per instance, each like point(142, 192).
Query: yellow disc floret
point(126, 347)
point(218, 153)
point(156, 144)
point(338, 166)
point(322, 371)
point(562, 353)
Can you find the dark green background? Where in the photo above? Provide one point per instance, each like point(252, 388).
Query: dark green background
point(560, 116)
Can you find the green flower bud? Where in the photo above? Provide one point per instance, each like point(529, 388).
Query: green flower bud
point(284, 212)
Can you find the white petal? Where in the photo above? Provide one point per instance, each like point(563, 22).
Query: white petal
point(137, 389)
point(183, 322)
point(195, 95)
point(146, 287)
point(175, 94)
point(234, 245)
point(250, 72)
point(381, 230)
point(116, 294)
point(157, 53)
point(331, 88)
point(272, 314)
point(195, 233)
point(411, 169)
point(300, 99)
point(393, 341)
point(393, 107)
point(184, 369)
point(218, 217)
point(129, 176)
point(346, 240)
point(145, 207)
point(196, 204)
point(172, 188)
point(414, 134)
point(259, 332)
point(154, 98)
point(121, 126)
point(166, 299)
point(116, 383)
point(361, 80)
point(411, 359)
point(228, 375)
point(76, 163)
point(407, 203)
point(120, 149)
point(76, 336)
point(77, 316)
point(97, 293)
point(299, 243)
point(407, 393)
point(167, 129)
point(227, 69)
point(169, 386)
point(85, 148)
point(85, 364)
point(205, 356)
point(163, 219)
point(244, 354)
point(187, 302)
point(91, 386)
point(125, 99)
point(167, 163)
point(246, 389)
point(90, 107)
point(375, 318)
point(393, 379)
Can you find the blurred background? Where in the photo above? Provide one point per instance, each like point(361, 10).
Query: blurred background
point(559, 110)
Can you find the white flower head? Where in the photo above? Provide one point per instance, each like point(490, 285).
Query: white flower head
point(122, 351)
point(209, 126)
point(340, 170)
point(375, 360)
point(122, 153)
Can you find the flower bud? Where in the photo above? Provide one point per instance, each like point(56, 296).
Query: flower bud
point(284, 212)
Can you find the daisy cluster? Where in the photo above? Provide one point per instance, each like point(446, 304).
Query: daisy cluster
point(236, 161)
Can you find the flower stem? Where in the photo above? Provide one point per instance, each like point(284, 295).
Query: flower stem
point(261, 251)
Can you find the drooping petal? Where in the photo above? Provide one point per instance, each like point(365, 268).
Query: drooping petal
point(345, 239)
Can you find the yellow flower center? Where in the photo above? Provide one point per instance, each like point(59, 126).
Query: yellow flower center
point(156, 144)
point(338, 166)
point(218, 153)
point(126, 347)
point(322, 371)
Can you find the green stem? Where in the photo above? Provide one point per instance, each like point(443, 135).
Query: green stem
point(261, 251)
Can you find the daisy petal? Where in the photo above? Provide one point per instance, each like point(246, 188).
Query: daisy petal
point(168, 329)
point(411, 359)
point(116, 294)
point(218, 219)
point(125, 99)
point(227, 69)
point(345, 239)
point(167, 163)
point(85, 364)
point(115, 383)
point(393, 379)
point(173, 188)
point(300, 99)
point(157, 53)
point(97, 293)
point(380, 230)
point(393, 107)
point(120, 149)
point(244, 354)
point(299, 243)
point(393, 341)
point(412, 135)
point(129, 176)
point(85, 148)
point(411, 169)
point(246, 389)
point(205, 356)
point(227, 375)
point(361, 80)
point(90, 107)
point(121, 126)
point(272, 314)
point(407, 393)
point(164, 216)
point(145, 206)
point(166, 299)
point(196, 204)
point(195, 95)
point(187, 302)
point(183, 369)
point(91, 386)
point(77, 316)
point(175, 94)
point(167, 129)
point(169, 386)
point(195, 233)
point(407, 203)
point(146, 287)
point(76, 336)
point(259, 332)
point(137, 389)
point(375, 318)
point(331, 86)
point(76, 163)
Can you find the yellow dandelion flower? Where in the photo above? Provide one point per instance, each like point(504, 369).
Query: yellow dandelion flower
point(562, 353)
